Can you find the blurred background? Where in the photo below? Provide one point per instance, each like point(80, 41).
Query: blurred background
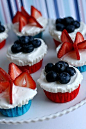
point(49, 8)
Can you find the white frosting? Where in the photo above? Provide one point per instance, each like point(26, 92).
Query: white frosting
point(57, 34)
point(32, 58)
point(56, 87)
point(3, 36)
point(70, 57)
point(21, 96)
point(29, 29)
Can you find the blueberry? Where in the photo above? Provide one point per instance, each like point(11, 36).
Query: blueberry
point(64, 78)
point(66, 64)
point(49, 67)
point(60, 27)
point(70, 28)
point(76, 24)
point(24, 40)
point(68, 20)
point(59, 20)
point(2, 28)
point(51, 76)
point(70, 70)
point(36, 43)
point(31, 38)
point(17, 42)
point(16, 48)
point(28, 48)
point(60, 67)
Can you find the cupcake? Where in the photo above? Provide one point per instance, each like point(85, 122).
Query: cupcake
point(72, 26)
point(16, 91)
point(3, 35)
point(33, 24)
point(73, 52)
point(60, 82)
point(27, 53)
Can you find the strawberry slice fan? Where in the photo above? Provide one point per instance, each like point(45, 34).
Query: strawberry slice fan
point(68, 44)
point(6, 84)
point(24, 18)
point(22, 79)
point(16, 76)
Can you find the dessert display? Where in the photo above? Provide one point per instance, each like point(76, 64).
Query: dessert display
point(72, 26)
point(27, 53)
point(3, 35)
point(25, 24)
point(17, 90)
point(60, 81)
point(73, 52)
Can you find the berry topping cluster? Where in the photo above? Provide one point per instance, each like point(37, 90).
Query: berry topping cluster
point(17, 77)
point(68, 45)
point(25, 44)
point(59, 72)
point(2, 28)
point(67, 23)
point(24, 18)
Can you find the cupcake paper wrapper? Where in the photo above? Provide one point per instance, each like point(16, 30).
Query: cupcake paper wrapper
point(62, 97)
point(17, 111)
point(82, 68)
point(38, 35)
point(2, 44)
point(32, 68)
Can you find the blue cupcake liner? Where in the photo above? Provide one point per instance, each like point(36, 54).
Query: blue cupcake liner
point(82, 68)
point(17, 111)
point(36, 36)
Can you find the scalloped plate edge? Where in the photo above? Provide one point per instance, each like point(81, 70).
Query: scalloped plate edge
point(51, 116)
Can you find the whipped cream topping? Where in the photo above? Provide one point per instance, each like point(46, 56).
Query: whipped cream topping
point(56, 87)
point(32, 58)
point(29, 29)
point(57, 34)
point(70, 57)
point(3, 35)
point(21, 96)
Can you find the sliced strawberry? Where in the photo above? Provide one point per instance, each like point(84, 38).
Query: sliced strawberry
point(4, 85)
point(79, 38)
point(25, 80)
point(22, 23)
point(65, 37)
point(14, 71)
point(33, 21)
point(65, 48)
point(17, 16)
point(6, 77)
point(24, 12)
point(77, 51)
point(35, 13)
point(82, 45)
